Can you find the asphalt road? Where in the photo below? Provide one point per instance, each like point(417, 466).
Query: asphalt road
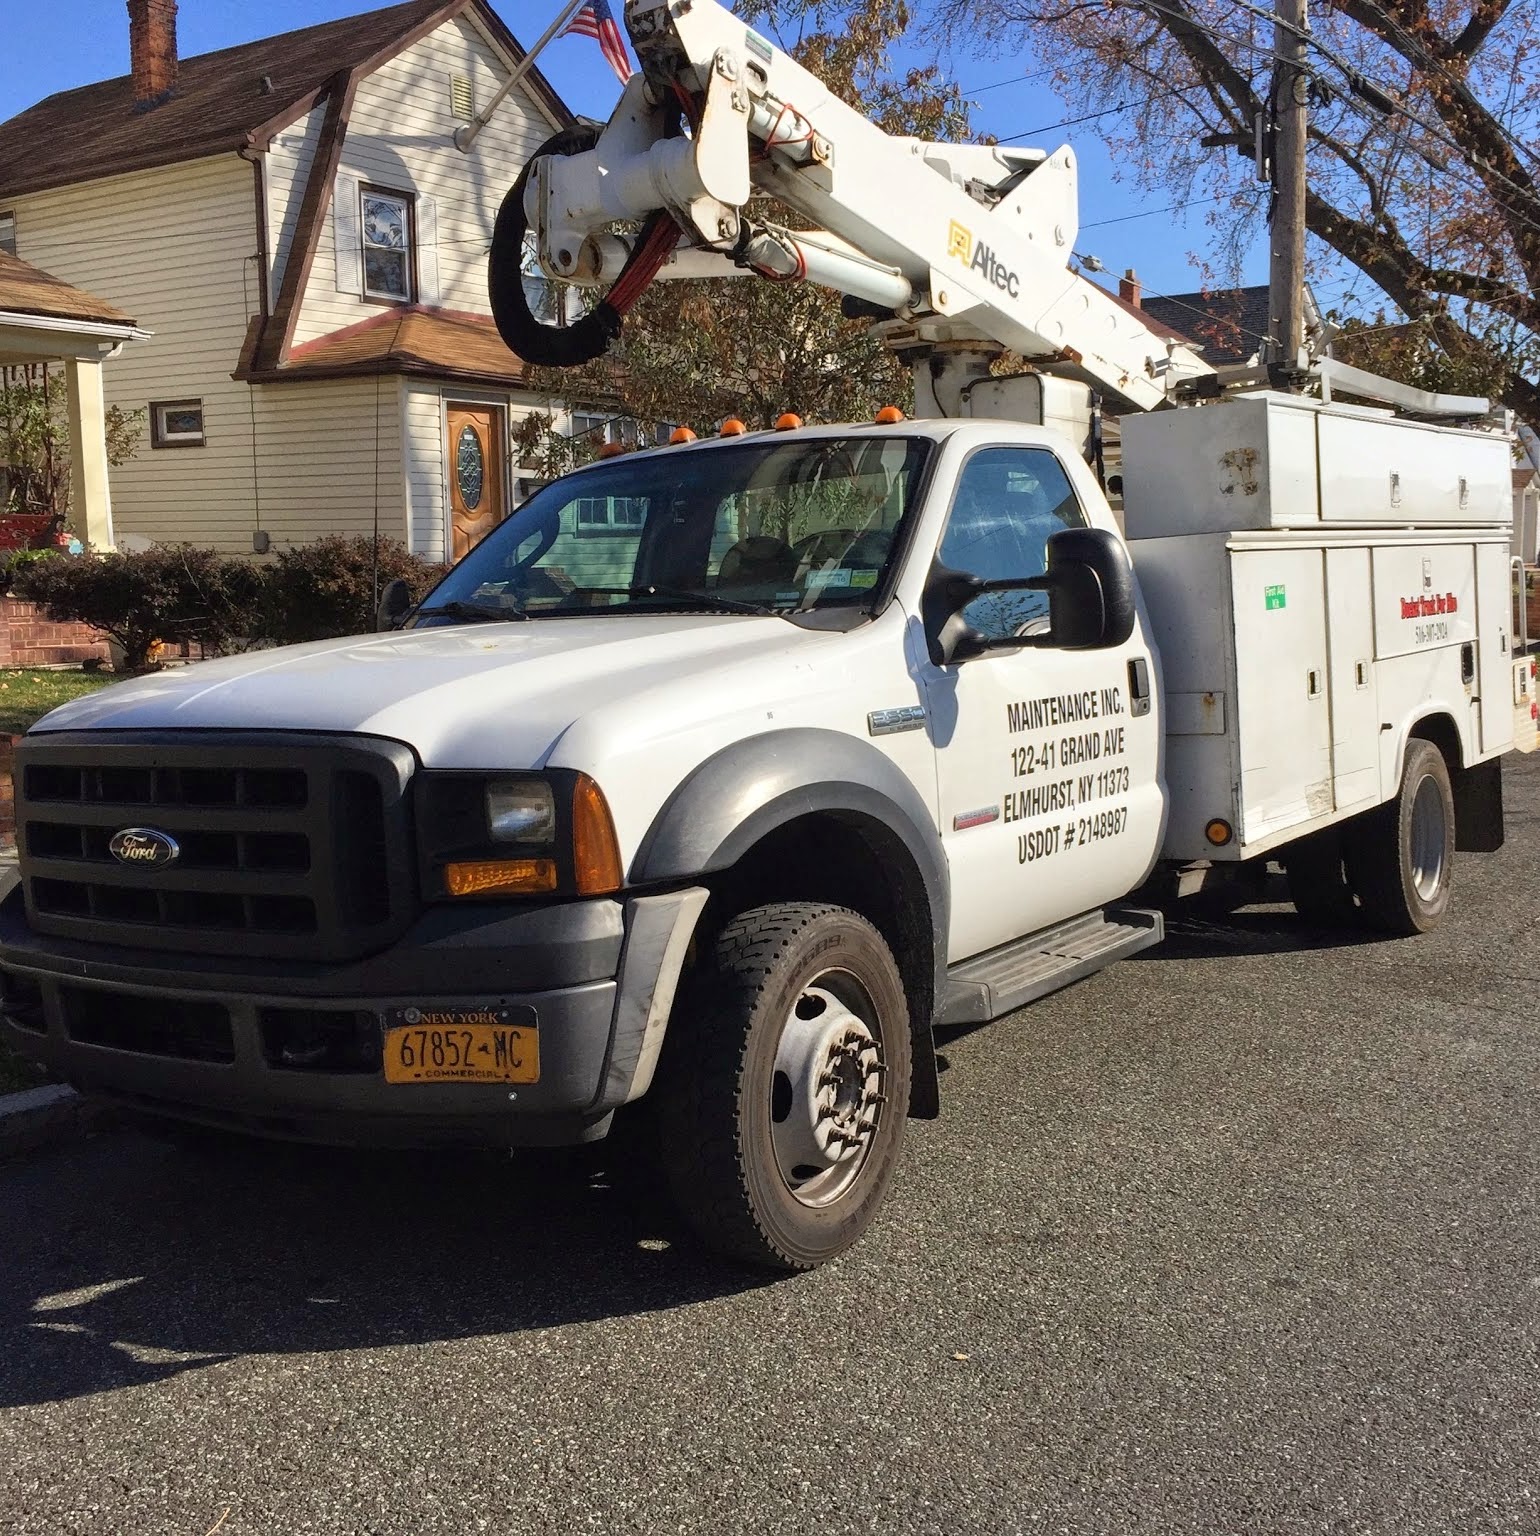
point(1237, 1237)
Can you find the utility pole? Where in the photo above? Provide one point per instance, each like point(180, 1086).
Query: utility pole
point(1286, 276)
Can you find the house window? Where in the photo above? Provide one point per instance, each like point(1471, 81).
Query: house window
point(8, 233)
point(176, 423)
point(462, 97)
point(387, 230)
point(602, 515)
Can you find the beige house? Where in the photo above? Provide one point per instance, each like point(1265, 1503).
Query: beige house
point(47, 323)
point(293, 222)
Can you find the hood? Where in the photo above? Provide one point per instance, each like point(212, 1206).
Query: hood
point(443, 691)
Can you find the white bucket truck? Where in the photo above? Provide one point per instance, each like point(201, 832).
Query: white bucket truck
point(718, 775)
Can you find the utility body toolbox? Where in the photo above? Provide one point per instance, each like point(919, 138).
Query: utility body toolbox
point(1299, 650)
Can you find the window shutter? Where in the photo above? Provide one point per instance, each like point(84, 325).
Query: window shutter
point(349, 236)
point(427, 251)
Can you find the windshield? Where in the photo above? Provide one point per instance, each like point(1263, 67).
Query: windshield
point(781, 527)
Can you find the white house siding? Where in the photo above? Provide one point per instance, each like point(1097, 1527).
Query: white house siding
point(285, 167)
point(425, 462)
point(176, 248)
point(400, 136)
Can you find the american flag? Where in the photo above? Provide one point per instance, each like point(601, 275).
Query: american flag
point(595, 20)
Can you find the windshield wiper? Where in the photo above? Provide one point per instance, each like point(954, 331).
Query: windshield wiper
point(684, 595)
point(475, 612)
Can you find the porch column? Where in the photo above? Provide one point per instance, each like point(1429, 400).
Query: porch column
point(90, 497)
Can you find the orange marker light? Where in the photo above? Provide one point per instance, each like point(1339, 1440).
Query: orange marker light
point(1219, 832)
point(681, 435)
point(500, 877)
point(789, 422)
point(595, 850)
point(889, 416)
point(732, 427)
point(612, 450)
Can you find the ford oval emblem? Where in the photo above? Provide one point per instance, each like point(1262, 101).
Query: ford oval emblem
point(143, 845)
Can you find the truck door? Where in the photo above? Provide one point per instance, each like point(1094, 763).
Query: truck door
point(1047, 764)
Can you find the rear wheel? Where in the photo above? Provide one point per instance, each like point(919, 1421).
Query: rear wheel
point(1402, 853)
point(784, 1086)
point(1319, 886)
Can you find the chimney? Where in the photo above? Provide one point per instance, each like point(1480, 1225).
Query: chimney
point(1129, 289)
point(152, 50)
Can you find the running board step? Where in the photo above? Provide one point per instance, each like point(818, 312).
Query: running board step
point(1019, 973)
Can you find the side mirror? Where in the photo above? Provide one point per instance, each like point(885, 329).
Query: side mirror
point(1090, 587)
point(395, 604)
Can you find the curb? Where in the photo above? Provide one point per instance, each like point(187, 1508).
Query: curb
point(45, 1117)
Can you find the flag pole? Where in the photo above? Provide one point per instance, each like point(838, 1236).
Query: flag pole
point(465, 134)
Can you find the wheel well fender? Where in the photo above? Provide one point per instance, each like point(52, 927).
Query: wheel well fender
point(819, 789)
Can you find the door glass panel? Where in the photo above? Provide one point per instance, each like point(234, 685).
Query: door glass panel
point(470, 468)
point(1009, 502)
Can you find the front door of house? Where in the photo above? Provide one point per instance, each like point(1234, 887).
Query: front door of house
point(477, 499)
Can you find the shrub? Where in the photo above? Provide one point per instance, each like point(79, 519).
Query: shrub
point(330, 588)
point(171, 592)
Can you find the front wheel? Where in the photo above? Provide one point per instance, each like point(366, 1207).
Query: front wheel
point(784, 1086)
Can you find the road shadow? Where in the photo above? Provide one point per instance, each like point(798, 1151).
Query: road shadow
point(134, 1256)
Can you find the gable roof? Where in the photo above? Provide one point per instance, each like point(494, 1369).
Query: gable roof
point(220, 104)
point(28, 290)
point(1228, 323)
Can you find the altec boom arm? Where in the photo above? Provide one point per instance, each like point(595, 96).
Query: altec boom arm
point(955, 248)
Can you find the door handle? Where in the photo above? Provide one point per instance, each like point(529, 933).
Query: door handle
point(1139, 686)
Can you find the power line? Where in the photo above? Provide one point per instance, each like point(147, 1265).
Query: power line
point(1149, 213)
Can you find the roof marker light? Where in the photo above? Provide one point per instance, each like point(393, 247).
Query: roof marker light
point(889, 416)
point(732, 427)
point(681, 435)
point(612, 450)
point(789, 422)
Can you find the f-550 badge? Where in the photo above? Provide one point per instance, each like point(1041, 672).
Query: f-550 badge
point(980, 258)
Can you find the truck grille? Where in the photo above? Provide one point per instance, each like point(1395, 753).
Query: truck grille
point(287, 845)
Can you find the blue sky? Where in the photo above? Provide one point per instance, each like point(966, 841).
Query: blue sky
point(62, 43)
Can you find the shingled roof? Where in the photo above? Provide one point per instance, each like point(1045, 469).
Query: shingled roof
point(221, 103)
point(1228, 323)
point(27, 290)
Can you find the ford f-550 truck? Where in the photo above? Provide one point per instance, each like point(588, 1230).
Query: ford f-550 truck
point(718, 775)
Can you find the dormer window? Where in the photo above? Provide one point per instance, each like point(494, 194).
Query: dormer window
point(387, 240)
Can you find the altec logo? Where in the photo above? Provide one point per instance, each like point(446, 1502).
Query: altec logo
point(1429, 607)
point(981, 259)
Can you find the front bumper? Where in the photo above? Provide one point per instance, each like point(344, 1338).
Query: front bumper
point(194, 1037)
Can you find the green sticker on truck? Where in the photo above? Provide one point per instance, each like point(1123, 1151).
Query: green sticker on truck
point(1276, 597)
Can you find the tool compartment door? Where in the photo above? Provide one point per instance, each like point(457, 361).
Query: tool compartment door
point(1282, 714)
point(1355, 712)
point(1494, 650)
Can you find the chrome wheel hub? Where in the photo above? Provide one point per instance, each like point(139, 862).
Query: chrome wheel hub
point(825, 1093)
point(1427, 839)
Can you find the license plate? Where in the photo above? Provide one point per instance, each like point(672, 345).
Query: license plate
point(461, 1045)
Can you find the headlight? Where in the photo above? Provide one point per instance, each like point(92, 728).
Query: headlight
point(485, 837)
point(521, 811)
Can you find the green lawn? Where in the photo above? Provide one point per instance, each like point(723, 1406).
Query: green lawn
point(28, 696)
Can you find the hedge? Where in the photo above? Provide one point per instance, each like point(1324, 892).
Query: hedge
point(175, 592)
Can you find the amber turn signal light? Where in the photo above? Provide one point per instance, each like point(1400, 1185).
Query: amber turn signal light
point(500, 877)
point(595, 849)
point(681, 435)
point(1219, 832)
point(789, 422)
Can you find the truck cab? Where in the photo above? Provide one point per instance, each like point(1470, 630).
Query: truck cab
point(459, 881)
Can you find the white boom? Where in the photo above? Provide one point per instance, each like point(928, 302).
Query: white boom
point(961, 250)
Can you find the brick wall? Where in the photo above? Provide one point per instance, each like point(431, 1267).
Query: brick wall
point(7, 791)
point(27, 639)
point(1532, 602)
